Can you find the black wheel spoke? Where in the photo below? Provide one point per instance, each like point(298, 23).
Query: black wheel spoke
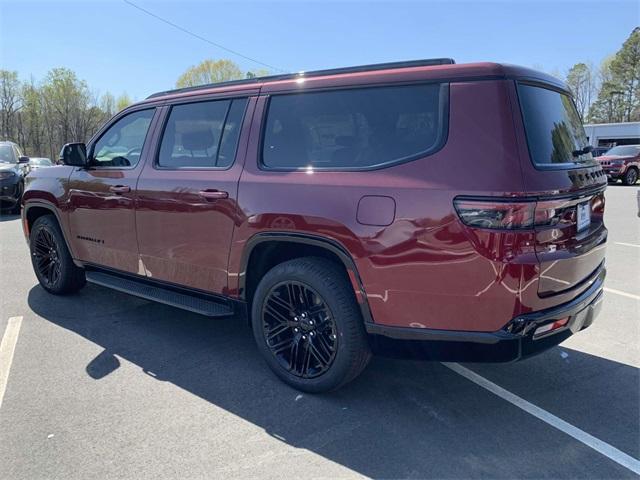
point(276, 300)
point(282, 345)
point(279, 317)
point(299, 329)
point(277, 330)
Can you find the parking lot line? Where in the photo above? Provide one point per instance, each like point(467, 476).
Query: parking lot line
point(627, 244)
point(7, 348)
point(604, 448)
point(620, 292)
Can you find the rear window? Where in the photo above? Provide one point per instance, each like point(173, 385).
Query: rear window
point(554, 130)
point(355, 128)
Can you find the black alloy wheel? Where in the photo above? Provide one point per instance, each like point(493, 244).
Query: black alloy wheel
point(46, 253)
point(299, 329)
point(51, 260)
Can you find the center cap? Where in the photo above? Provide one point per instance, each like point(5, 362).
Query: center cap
point(306, 323)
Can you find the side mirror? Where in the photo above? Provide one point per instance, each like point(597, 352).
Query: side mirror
point(74, 154)
point(23, 160)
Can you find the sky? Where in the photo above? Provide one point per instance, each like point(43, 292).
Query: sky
point(115, 47)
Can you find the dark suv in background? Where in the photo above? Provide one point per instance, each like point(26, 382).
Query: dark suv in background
point(454, 207)
point(14, 166)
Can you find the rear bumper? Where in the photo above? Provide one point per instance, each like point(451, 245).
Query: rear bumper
point(514, 342)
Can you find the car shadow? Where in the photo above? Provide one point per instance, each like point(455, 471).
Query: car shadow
point(7, 217)
point(399, 419)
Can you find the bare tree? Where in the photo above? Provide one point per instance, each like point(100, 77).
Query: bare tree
point(10, 104)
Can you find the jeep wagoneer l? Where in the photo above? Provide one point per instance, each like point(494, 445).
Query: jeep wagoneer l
point(426, 202)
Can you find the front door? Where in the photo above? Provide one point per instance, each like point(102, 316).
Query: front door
point(102, 196)
point(187, 196)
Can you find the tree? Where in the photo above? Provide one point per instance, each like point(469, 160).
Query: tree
point(32, 122)
point(581, 82)
point(625, 68)
point(9, 104)
point(70, 109)
point(209, 71)
point(108, 104)
point(619, 96)
point(123, 102)
point(260, 72)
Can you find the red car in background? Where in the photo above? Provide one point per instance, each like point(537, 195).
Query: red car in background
point(622, 163)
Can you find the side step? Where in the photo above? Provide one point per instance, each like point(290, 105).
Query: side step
point(140, 288)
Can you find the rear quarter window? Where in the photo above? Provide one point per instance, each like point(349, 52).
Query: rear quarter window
point(353, 129)
point(554, 131)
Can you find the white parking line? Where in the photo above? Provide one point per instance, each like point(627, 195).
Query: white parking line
point(627, 244)
point(7, 349)
point(605, 449)
point(620, 292)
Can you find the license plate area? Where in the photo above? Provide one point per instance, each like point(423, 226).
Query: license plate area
point(583, 220)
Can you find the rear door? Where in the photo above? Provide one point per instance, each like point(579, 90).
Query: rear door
point(187, 193)
point(101, 202)
point(569, 185)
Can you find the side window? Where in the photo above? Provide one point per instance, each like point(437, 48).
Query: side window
point(202, 135)
point(121, 145)
point(7, 154)
point(355, 128)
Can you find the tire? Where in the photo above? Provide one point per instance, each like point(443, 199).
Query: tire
point(51, 260)
point(630, 177)
point(322, 344)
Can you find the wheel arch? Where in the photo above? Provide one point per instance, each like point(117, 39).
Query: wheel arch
point(265, 250)
point(36, 209)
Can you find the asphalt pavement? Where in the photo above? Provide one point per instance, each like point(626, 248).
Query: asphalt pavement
point(104, 385)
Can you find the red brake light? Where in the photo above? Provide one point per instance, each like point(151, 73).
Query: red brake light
point(496, 214)
point(511, 215)
point(550, 327)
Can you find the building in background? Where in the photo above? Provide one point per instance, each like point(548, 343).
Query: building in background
point(612, 134)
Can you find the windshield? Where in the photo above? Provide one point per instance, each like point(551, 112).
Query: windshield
point(42, 162)
point(6, 154)
point(624, 150)
point(554, 130)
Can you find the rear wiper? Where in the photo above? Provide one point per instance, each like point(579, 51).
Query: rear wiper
point(583, 151)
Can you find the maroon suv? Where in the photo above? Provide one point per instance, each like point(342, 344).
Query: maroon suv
point(456, 207)
point(622, 162)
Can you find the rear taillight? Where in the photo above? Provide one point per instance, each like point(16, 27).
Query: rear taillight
point(513, 215)
point(495, 215)
point(550, 213)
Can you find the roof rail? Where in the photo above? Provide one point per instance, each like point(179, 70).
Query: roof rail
point(315, 73)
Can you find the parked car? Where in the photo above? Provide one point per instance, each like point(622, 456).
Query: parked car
point(13, 168)
point(622, 163)
point(39, 162)
point(449, 206)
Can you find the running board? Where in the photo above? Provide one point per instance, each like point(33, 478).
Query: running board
point(140, 288)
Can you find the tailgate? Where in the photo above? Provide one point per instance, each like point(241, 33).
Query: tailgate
point(568, 185)
point(571, 247)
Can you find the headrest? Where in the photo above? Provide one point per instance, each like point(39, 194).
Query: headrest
point(200, 139)
point(345, 141)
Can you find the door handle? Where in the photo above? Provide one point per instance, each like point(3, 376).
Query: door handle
point(119, 189)
point(213, 194)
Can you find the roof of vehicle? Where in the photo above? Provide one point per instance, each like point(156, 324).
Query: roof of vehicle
point(415, 70)
point(8, 142)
